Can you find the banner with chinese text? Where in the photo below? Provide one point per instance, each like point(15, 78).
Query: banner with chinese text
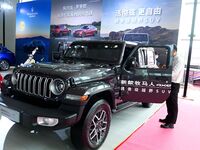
point(147, 22)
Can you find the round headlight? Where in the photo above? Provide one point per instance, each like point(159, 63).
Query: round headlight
point(14, 78)
point(57, 86)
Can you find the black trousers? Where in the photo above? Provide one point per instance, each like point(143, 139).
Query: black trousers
point(172, 104)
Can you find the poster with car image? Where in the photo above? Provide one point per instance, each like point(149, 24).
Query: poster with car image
point(145, 22)
point(76, 19)
point(32, 30)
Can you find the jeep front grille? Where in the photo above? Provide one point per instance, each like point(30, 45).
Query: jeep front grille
point(35, 85)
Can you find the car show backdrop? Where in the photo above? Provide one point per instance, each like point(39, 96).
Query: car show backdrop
point(32, 30)
point(75, 20)
point(157, 19)
point(64, 21)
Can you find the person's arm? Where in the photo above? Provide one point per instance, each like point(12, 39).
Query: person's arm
point(176, 69)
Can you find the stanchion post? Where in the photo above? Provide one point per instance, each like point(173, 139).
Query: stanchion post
point(190, 50)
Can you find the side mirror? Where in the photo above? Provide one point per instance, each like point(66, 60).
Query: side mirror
point(133, 62)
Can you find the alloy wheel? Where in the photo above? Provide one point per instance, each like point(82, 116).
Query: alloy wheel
point(98, 127)
point(4, 65)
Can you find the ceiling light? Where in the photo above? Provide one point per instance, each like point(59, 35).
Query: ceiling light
point(6, 6)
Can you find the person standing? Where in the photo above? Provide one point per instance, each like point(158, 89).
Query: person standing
point(172, 101)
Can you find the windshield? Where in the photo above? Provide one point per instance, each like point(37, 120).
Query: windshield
point(136, 37)
point(97, 51)
point(85, 27)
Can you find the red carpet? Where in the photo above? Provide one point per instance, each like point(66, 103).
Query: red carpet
point(185, 135)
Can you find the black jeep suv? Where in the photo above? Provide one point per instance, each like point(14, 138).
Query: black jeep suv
point(94, 79)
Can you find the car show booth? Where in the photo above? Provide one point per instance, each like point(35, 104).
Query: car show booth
point(78, 63)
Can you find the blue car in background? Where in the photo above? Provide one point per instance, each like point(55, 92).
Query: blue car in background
point(7, 58)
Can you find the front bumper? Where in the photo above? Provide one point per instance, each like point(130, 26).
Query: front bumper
point(28, 113)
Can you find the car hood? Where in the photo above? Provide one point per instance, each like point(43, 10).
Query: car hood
point(80, 72)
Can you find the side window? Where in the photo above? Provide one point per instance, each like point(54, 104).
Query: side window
point(162, 56)
point(148, 57)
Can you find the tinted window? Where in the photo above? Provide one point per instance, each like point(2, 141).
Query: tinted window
point(97, 51)
point(151, 57)
point(85, 27)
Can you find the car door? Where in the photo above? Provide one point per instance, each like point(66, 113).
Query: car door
point(144, 78)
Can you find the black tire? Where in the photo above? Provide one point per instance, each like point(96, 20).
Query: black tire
point(4, 65)
point(93, 127)
point(146, 105)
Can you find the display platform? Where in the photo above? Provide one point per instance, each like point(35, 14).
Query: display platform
point(184, 136)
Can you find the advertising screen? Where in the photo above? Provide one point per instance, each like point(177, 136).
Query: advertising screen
point(75, 20)
point(32, 30)
point(146, 21)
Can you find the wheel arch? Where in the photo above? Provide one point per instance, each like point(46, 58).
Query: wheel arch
point(106, 94)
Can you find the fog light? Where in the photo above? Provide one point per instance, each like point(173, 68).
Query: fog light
point(44, 121)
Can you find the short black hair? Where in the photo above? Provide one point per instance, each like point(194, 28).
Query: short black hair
point(174, 47)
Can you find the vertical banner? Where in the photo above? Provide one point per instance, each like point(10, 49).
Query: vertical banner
point(75, 20)
point(147, 22)
point(32, 30)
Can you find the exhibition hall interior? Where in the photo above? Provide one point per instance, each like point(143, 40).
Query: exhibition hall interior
point(99, 74)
